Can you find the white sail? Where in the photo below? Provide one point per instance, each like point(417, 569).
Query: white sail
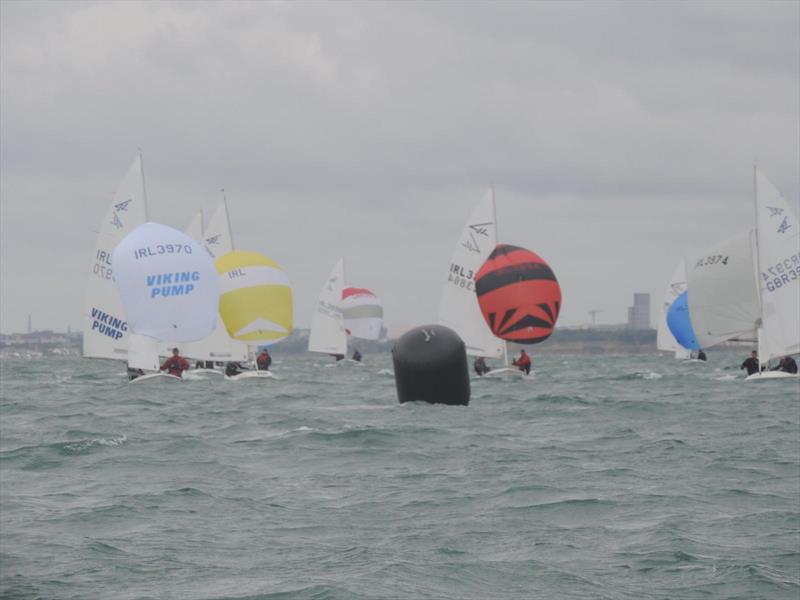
point(723, 297)
point(195, 228)
point(217, 236)
point(143, 352)
point(105, 327)
point(168, 284)
point(677, 285)
point(459, 308)
point(219, 346)
point(778, 251)
point(328, 333)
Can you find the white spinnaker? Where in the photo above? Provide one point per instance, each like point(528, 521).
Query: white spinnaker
point(105, 327)
point(328, 334)
point(363, 313)
point(459, 309)
point(778, 250)
point(218, 346)
point(723, 297)
point(168, 284)
point(217, 236)
point(677, 285)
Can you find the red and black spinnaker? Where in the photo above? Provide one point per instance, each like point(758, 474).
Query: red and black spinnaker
point(518, 294)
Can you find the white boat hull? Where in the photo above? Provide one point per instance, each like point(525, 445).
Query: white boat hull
point(508, 373)
point(156, 376)
point(251, 375)
point(771, 376)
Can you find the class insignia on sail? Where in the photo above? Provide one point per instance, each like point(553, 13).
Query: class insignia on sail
point(256, 300)
point(167, 284)
point(363, 313)
point(680, 322)
point(518, 294)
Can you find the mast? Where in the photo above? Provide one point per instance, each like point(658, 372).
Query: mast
point(497, 235)
point(756, 261)
point(228, 218)
point(144, 190)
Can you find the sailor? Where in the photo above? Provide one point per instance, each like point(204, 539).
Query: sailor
point(356, 356)
point(175, 364)
point(701, 355)
point(787, 365)
point(751, 364)
point(263, 360)
point(233, 368)
point(134, 373)
point(480, 366)
point(523, 363)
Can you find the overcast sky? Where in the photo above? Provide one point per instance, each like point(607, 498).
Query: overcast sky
point(619, 136)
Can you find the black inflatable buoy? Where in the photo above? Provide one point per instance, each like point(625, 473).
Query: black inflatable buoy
point(430, 364)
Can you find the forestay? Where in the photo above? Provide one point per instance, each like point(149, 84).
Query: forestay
point(778, 251)
point(328, 335)
point(105, 327)
point(677, 285)
point(363, 313)
point(167, 282)
point(459, 309)
point(723, 299)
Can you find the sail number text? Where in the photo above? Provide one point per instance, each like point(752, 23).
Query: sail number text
point(712, 260)
point(461, 278)
point(162, 249)
point(781, 273)
point(102, 265)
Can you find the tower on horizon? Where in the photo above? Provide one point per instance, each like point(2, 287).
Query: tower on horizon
point(639, 313)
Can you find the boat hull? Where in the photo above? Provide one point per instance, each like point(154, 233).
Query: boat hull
point(508, 373)
point(162, 377)
point(772, 376)
point(250, 375)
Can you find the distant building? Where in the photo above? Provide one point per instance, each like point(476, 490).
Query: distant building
point(639, 313)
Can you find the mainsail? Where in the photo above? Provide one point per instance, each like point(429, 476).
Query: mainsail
point(105, 327)
point(459, 309)
point(723, 299)
point(778, 251)
point(328, 335)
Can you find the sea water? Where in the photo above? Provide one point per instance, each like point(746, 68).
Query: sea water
point(604, 477)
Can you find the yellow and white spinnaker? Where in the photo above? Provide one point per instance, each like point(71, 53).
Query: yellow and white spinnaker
point(256, 299)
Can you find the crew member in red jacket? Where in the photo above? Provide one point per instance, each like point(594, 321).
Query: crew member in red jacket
point(523, 363)
point(175, 364)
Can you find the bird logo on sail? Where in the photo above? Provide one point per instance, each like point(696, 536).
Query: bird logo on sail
point(214, 239)
point(477, 229)
point(123, 206)
point(784, 226)
point(115, 221)
point(774, 212)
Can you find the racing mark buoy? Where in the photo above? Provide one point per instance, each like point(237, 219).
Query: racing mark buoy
point(430, 365)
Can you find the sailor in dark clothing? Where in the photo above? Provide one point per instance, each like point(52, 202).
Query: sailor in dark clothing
point(263, 361)
point(787, 365)
point(357, 356)
point(701, 355)
point(480, 366)
point(134, 373)
point(751, 364)
point(233, 368)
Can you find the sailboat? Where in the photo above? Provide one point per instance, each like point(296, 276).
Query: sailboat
point(217, 239)
point(777, 260)
point(460, 307)
point(168, 287)
point(748, 288)
point(343, 311)
point(105, 325)
point(665, 340)
point(256, 303)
